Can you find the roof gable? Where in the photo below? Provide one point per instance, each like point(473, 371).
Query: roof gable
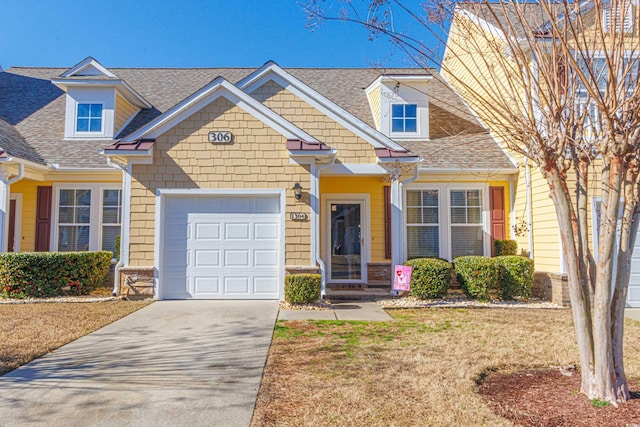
point(272, 72)
point(88, 67)
point(219, 87)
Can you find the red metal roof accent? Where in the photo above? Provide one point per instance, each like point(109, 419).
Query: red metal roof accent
point(387, 152)
point(299, 145)
point(3, 153)
point(139, 145)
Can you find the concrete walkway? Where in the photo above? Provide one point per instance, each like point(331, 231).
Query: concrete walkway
point(196, 363)
point(632, 313)
point(348, 310)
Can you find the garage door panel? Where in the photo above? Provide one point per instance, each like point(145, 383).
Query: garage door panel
point(222, 247)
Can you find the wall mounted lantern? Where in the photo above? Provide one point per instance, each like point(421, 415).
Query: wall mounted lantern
point(297, 190)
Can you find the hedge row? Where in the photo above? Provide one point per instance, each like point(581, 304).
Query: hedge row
point(502, 277)
point(50, 274)
point(430, 277)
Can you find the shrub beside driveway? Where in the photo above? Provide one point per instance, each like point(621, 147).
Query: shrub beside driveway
point(28, 331)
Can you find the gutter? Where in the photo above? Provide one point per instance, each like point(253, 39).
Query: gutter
point(315, 219)
point(124, 227)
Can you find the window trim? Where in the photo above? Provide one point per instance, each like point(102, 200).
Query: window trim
point(404, 118)
point(444, 205)
point(95, 219)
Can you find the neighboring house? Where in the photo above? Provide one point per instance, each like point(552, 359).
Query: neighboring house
point(221, 181)
point(533, 213)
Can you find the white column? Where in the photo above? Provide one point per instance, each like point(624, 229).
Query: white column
point(4, 209)
point(397, 234)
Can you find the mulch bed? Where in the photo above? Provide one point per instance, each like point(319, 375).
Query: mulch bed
point(548, 398)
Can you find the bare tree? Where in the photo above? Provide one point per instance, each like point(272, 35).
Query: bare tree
point(557, 83)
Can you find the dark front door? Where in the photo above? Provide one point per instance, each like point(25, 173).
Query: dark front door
point(346, 242)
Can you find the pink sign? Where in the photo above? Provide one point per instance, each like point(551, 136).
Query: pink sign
point(402, 278)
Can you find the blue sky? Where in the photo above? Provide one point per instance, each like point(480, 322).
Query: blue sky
point(181, 33)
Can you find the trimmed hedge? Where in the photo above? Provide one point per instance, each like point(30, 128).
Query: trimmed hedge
point(430, 277)
point(505, 247)
point(479, 276)
point(516, 276)
point(302, 288)
point(45, 274)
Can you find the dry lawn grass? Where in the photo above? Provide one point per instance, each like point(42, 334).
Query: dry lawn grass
point(420, 369)
point(28, 331)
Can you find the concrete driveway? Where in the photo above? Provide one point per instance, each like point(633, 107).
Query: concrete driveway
point(196, 363)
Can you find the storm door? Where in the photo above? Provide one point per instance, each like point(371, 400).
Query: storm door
point(346, 239)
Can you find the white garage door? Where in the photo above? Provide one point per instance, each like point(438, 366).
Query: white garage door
point(633, 294)
point(221, 248)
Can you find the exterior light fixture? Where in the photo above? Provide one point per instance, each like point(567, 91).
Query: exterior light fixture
point(297, 190)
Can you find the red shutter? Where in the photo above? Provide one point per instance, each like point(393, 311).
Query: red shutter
point(387, 222)
point(43, 219)
point(498, 221)
point(12, 226)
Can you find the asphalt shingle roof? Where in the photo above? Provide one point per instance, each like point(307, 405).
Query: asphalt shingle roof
point(35, 109)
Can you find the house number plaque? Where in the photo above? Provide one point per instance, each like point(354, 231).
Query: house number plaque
point(298, 216)
point(220, 137)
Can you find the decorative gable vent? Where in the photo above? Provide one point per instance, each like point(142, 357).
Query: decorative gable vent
point(620, 16)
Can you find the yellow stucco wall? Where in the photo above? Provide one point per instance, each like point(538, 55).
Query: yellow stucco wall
point(374, 187)
point(183, 158)
point(351, 149)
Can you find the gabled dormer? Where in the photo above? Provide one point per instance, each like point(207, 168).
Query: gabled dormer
point(400, 105)
point(99, 103)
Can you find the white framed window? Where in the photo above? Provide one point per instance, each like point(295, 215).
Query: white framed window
point(423, 223)
point(446, 220)
point(467, 235)
point(404, 118)
point(86, 217)
point(89, 117)
point(620, 19)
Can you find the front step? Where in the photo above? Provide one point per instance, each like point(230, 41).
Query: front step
point(365, 294)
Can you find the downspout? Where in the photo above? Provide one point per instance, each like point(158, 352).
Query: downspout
point(527, 174)
point(124, 228)
point(315, 220)
point(397, 233)
point(6, 203)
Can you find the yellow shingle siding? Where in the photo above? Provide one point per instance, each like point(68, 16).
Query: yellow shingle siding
point(183, 158)
point(124, 111)
point(374, 98)
point(374, 187)
point(351, 149)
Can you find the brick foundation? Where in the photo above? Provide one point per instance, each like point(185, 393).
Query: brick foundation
point(378, 274)
point(301, 269)
point(136, 281)
point(553, 287)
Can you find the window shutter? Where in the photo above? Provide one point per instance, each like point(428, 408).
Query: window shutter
point(43, 219)
point(387, 222)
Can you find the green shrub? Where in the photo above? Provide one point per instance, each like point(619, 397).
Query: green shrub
point(302, 288)
point(479, 276)
point(516, 276)
point(45, 274)
point(116, 249)
point(505, 247)
point(430, 277)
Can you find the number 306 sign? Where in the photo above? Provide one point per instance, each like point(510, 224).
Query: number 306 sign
point(220, 137)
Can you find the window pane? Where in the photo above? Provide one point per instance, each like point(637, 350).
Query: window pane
point(83, 197)
point(410, 125)
point(475, 216)
point(82, 125)
point(414, 198)
point(73, 238)
point(414, 216)
point(397, 125)
point(423, 241)
point(473, 198)
point(67, 197)
point(65, 215)
point(457, 198)
point(430, 215)
point(109, 233)
point(111, 197)
point(466, 241)
point(430, 197)
point(96, 110)
point(397, 110)
point(458, 215)
point(410, 110)
point(83, 215)
point(111, 215)
point(95, 125)
point(83, 110)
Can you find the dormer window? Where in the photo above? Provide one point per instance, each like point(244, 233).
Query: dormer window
point(89, 118)
point(404, 118)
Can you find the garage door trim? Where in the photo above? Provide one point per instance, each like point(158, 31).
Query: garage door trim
point(161, 205)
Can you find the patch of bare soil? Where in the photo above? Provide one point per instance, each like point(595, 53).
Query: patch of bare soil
point(548, 398)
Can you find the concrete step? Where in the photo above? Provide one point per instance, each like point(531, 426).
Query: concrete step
point(365, 294)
